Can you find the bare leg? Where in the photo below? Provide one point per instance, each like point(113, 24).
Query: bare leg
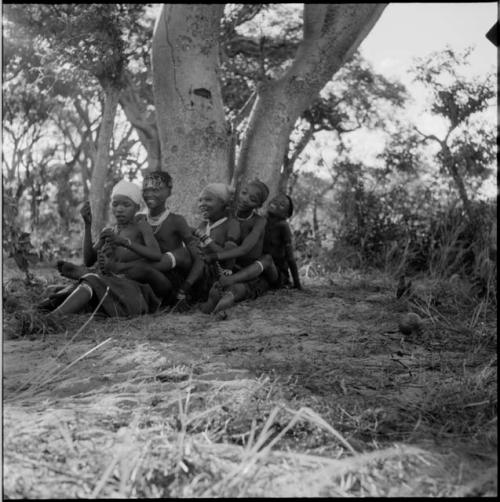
point(246, 274)
point(236, 293)
point(253, 271)
point(74, 303)
point(214, 296)
point(146, 274)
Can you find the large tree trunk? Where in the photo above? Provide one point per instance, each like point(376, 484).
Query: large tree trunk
point(98, 178)
point(189, 111)
point(332, 32)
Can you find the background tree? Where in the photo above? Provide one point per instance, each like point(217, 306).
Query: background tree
point(356, 97)
point(466, 150)
point(92, 38)
point(331, 34)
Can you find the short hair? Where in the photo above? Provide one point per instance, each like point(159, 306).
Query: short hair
point(290, 205)
point(158, 177)
point(262, 188)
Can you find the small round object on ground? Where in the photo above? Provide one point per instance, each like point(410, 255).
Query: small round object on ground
point(410, 323)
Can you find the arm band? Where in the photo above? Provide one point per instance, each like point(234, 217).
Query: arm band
point(172, 257)
point(87, 287)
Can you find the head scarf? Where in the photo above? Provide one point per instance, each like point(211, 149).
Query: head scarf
point(220, 190)
point(157, 179)
point(128, 189)
point(263, 190)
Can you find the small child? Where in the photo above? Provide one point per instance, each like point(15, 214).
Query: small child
point(276, 263)
point(136, 240)
point(251, 197)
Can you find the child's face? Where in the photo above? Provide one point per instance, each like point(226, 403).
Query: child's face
point(279, 207)
point(155, 197)
point(123, 209)
point(210, 206)
point(248, 198)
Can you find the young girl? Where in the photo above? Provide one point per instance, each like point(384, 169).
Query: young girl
point(168, 276)
point(128, 241)
point(218, 232)
point(252, 225)
point(276, 263)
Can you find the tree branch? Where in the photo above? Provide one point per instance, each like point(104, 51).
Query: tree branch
point(301, 144)
point(428, 136)
point(243, 112)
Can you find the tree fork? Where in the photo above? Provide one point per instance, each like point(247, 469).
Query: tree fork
point(332, 32)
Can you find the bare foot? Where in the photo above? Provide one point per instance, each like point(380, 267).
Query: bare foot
point(70, 270)
point(214, 296)
point(226, 301)
point(221, 316)
point(225, 281)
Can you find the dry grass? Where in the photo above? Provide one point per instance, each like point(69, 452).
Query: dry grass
point(184, 406)
point(123, 444)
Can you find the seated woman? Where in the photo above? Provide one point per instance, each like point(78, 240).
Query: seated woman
point(120, 296)
point(274, 266)
point(251, 197)
point(217, 233)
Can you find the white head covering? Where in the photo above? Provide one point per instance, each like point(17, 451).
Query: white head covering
point(128, 189)
point(220, 190)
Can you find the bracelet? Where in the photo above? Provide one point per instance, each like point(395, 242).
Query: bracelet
point(129, 242)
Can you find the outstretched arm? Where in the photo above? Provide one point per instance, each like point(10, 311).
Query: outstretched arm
point(248, 243)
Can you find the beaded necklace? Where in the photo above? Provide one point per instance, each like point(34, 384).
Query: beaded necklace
point(210, 227)
point(249, 216)
point(156, 221)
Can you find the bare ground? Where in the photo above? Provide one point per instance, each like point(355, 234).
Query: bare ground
point(312, 393)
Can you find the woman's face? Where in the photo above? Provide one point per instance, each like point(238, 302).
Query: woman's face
point(248, 198)
point(155, 197)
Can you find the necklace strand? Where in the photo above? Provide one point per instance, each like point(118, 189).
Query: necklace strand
point(248, 217)
point(156, 221)
point(214, 225)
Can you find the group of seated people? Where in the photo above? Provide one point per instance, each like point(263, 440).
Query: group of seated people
point(154, 259)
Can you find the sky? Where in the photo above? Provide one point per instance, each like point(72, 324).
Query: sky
point(408, 30)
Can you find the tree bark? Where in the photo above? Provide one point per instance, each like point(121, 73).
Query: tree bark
point(193, 132)
point(289, 160)
point(100, 170)
point(332, 32)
